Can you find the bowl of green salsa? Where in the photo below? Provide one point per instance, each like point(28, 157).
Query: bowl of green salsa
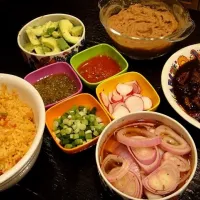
point(55, 82)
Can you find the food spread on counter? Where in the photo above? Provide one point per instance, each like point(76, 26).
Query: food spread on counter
point(55, 87)
point(146, 159)
point(98, 68)
point(17, 128)
point(52, 37)
point(124, 99)
point(186, 86)
point(144, 21)
point(77, 126)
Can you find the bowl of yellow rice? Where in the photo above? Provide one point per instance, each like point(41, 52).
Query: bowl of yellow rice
point(22, 122)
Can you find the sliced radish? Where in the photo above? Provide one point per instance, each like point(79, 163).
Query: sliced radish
point(131, 83)
point(136, 88)
point(124, 89)
point(104, 99)
point(138, 95)
point(134, 104)
point(126, 97)
point(120, 112)
point(147, 103)
point(110, 109)
point(115, 93)
point(119, 104)
point(117, 98)
point(110, 97)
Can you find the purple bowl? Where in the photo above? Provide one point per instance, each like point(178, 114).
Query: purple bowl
point(55, 68)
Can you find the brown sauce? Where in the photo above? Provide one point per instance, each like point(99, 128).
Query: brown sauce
point(186, 84)
point(55, 88)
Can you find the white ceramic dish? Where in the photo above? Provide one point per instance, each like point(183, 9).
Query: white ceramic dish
point(153, 116)
point(39, 60)
point(168, 72)
point(28, 94)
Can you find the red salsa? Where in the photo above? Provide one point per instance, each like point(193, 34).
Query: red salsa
point(98, 68)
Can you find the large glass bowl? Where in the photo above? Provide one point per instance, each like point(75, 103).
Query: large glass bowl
point(140, 47)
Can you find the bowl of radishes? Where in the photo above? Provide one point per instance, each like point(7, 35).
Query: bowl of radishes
point(127, 93)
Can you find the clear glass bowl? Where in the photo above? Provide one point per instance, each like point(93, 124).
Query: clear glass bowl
point(141, 47)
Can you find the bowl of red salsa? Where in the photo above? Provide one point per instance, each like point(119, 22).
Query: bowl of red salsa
point(98, 63)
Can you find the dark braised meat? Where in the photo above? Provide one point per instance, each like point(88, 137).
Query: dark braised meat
point(186, 84)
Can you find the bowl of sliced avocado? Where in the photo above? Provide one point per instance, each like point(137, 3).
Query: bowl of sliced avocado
point(51, 38)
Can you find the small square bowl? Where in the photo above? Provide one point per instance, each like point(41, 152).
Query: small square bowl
point(55, 68)
point(101, 49)
point(83, 99)
point(146, 88)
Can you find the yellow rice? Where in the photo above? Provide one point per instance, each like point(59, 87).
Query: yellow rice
point(17, 128)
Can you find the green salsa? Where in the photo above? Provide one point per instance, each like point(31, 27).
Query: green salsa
point(55, 87)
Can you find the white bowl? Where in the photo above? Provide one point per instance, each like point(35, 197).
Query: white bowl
point(168, 72)
point(39, 60)
point(28, 94)
point(145, 115)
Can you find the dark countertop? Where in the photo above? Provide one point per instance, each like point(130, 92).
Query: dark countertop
point(57, 175)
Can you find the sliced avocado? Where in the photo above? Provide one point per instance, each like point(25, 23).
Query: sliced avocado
point(32, 37)
point(49, 27)
point(50, 43)
point(65, 27)
point(29, 47)
point(38, 30)
point(39, 50)
point(77, 31)
point(46, 49)
point(56, 34)
point(62, 44)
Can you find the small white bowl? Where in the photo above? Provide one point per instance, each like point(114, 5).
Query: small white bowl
point(39, 60)
point(168, 72)
point(28, 94)
point(145, 115)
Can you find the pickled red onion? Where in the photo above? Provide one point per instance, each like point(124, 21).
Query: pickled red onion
point(181, 163)
point(180, 146)
point(163, 180)
point(149, 167)
point(151, 195)
point(136, 141)
point(119, 172)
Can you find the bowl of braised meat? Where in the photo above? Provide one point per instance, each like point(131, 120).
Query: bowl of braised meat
point(181, 83)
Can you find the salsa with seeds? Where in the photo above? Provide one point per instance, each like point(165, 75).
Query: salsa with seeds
point(55, 88)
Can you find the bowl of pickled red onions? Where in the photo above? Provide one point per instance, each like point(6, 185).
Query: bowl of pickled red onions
point(146, 155)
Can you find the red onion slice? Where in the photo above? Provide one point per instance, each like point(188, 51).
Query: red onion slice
point(122, 151)
point(163, 180)
point(182, 164)
point(151, 195)
point(151, 167)
point(171, 141)
point(135, 141)
point(130, 185)
point(111, 162)
point(146, 155)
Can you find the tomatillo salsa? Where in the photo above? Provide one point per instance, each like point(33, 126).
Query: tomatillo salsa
point(98, 68)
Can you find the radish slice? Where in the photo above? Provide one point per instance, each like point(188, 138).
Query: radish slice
point(104, 99)
point(134, 104)
point(150, 195)
point(110, 97)
point(110, 109)
point(120, 112)
point(163, 180)
point(116, 173)
point(171, 141)
point(118, 105)
point(136, 88)
point(149, 167)
point(181, 163)
point(123, 136)
point(138, 95)
point(114, 93)
point(146, 155)
point(147, 103)
point(117, 98)
point(131, 83)
point(124, 89)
